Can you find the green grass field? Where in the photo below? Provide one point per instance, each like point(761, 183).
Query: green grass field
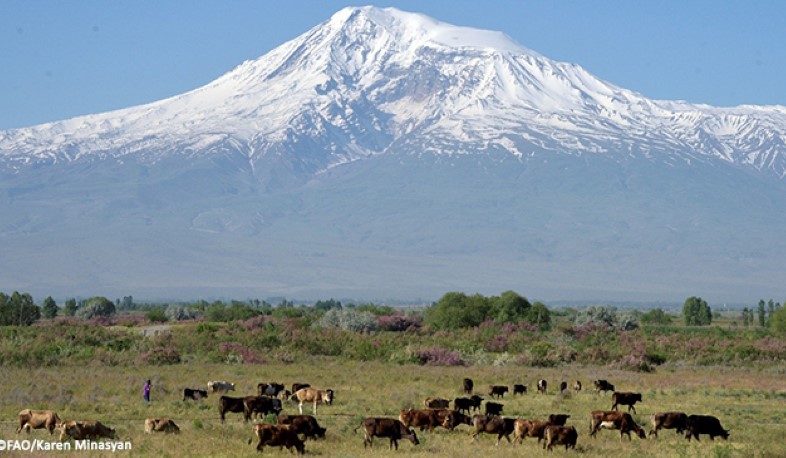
point(751, 402)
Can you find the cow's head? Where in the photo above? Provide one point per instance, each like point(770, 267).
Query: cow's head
point(328, 397)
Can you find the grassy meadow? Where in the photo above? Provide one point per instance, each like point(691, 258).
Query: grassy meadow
point(749, 401)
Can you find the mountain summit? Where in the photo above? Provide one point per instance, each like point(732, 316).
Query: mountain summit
point(386, 153)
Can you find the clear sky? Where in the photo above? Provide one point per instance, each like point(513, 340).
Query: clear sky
point(60, 59)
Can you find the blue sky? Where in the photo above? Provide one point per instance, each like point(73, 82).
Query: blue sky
point(62, 59)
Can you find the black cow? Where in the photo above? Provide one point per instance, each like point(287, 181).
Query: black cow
point(255, 405)
point(603, 385)
point(558, 419)
point(563, 386)
point(194, 395)
point(704, 424)
point(497, 390)
point(493, 408)
point(230, 404)
point(296, 386)
point(269, 389)
point(542, 386)
point(519, 389)
point(303, 424)
point(625, 399)
point(468, 385)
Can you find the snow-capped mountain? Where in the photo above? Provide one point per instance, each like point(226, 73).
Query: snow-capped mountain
point(387, 137)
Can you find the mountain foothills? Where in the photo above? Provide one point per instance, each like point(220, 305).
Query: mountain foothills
point(384, 154)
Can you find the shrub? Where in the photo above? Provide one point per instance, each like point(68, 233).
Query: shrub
point(398, 322)
point(440, 356)
point(96, 307)
point(348, 320)
point(156, 316)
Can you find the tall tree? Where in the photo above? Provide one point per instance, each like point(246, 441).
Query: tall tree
point(69, 309)
point(49, 308)
point(696, 312)
point(762, 313)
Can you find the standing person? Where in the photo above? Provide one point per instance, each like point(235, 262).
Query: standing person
point(146, 391)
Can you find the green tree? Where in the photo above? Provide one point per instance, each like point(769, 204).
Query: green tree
point(656, 316)
point(762, 313)
point(456, 310)
point(778, 321)
point(95, 307)
point(18, 309)
point(509, 307)
point(696, 312)
point(539, 315)
point(49, 308)
point(69, 309)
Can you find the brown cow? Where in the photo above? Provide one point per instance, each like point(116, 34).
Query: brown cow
point(437, 403)
point(85, 429)
point(255, 405)
point(423, 419)
point(165, 425)
point(313, 395)
point(502, 427)
point(278, 436)
point(468, 384)
point(303, 424)
point(498, 391)
point(386, 427)
point(453, 418)
point(612, 419)
point(38, 419)
point(669, 420)
point(560, 435)
point(625, 399)
point(230, 404)
point(529, 428)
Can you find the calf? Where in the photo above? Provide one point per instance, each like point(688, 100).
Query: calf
point(38, 419)
point(194, 395)
point(563, 386)
point(603, 385)
point(255, 405)
point(519, 389)
point(85, 429)
point(437, 403)
point(269, 389)
point(502, 427)
point(560, 435)
point(704, 424)
point(303, 424)
point(386, 427)
point(493, 408)
point(423, 419)
point(625, 399)
point(468, 385)
point(497, 390)
point(669, 420)
point(314, 396)
point(542, 386)
point(165, 425)
point(611, 419)
point(278, 436)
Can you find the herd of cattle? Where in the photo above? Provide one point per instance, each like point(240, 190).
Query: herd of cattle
point(291, 431)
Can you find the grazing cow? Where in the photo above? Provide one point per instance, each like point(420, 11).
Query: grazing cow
point(165, 425)
point(704, 424)
point(612, 419)
point(577, 386)
point(297, 386)
point(255, 405)
point(542, 386)
point(625, 399)
point(313, 395)
point(230, 404)
point(468, 385)
point(502, 427)
point(303, 424)
point(668, 420)
point(85, 429)
point(423, 419)
point(558, 419)
point(437, 403)
point(278, 436)
point(194, 395)
point(38, 419)
point(269, 389)
point(560, 435)
point(603, 385)
point(497, 390)
point(519, 389)
point(220, 387)
point(493, 408)
point(453, 418)
point(563, 386)
point(529, 428)
point(386, 427)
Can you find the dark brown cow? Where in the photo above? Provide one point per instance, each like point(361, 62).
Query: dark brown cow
point(303, 424)
point(278, 436)
point(423, 419)
point(467, 404)
point(85, 429)
point(563, 386)
point(560, 435)
point(558, 419)
point(519, 389)
point(165, 425)
point(386, 427)
point(704, 424)
point(603, 385)
point(194, 395)
point(625, 399)
point(529, 428)
point(502, 427)
point(493, 408)
point(453, 418)
point(612, 419)
point(255, 405)
point(269, 389)
point(542, 386)
point(669, 420)
point(230, 404)
point(38, 419)
point(437, 403)
point(498, 391)
point(468, 385)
